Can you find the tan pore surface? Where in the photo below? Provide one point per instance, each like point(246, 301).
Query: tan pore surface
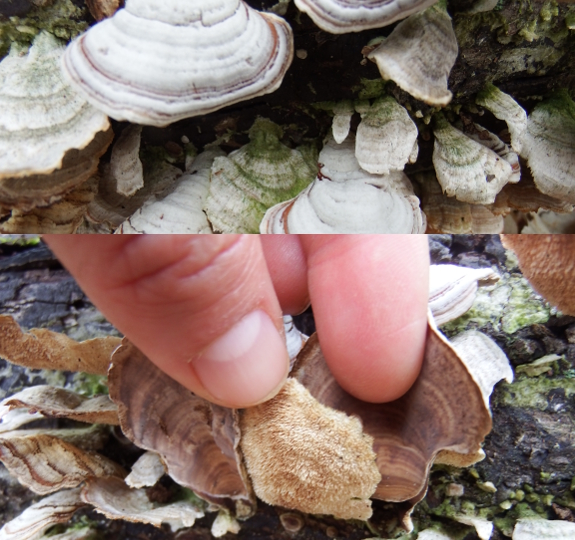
point(305, 456)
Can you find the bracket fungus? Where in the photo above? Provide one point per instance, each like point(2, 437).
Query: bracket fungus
point(504, 107)
point(62, 403)
point(466, 169)
point(548, 144)
point(452, 289)
point(346, 199)
point(386, 138)
point(113, 498)
point(448, 215)
point(125, 164)
point(43, 349)
point(252, 179)
point(196, 440)
point(38, 518)
point(179, 209)
point(301, 454)
point(220, 52)
point(342, 16)
point(50, 137)
point(228, 457)
point(419, 54)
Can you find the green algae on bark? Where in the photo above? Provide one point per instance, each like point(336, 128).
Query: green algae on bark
point(509, 305)
point(62, 18)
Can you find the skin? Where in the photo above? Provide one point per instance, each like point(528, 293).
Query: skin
point(208, 309)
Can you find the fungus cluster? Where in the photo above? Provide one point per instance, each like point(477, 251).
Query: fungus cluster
point(312, 448)
point(223, 52)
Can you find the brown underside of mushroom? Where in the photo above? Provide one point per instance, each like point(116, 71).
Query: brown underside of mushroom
point(196, 440)
point(548, 262)
point(62, 217)
point(444, 409)
point(28, 192)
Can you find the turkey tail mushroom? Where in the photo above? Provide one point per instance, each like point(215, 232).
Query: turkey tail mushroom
point(197, 441)
point(220, 52)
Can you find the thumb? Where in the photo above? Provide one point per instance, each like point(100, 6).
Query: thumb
point(202, 308)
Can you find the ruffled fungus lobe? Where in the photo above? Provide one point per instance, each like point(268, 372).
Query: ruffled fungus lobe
point(466, 169)
point(419, 54)
point(408, 433)
point(113, 498)
point(196, 440)
point(346, 199)
point(50, 138)
point(43, 349)
point(221, 52)
point(301, 454)
point(549, 146)
point(250, 180)
point(62, 403)
point(30, 524)
point(504, 107)
point(386, 137)
point(342, 16)
point(548, 262)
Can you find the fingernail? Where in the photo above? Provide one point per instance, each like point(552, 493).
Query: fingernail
point(246, 365)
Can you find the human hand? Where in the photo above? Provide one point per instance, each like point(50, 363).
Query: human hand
point(207, 310)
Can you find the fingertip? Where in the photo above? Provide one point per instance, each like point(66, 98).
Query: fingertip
point(370, 302)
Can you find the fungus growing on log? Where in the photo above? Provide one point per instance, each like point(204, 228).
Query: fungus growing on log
point(221, 52)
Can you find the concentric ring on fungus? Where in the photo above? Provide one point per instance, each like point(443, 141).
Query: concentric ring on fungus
point(163, 62)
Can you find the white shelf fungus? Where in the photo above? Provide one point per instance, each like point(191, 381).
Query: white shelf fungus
point(549, 146)
point(342, 113)
point(452, 289)
point(386, 137)
point(466, 169)
point(504, 107)
point(44, 125)
point(419, 54)
point(493, 142)
point(342, 16)
point(158, 61)
point(345, 199)
point(125, 164)
point(250, 180)
point(181, 209)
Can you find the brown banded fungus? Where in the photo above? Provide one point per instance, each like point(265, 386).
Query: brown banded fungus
point(196, 440)
point(220, 52)
point(358, 450)
point(38, 518)
point(62, 403)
